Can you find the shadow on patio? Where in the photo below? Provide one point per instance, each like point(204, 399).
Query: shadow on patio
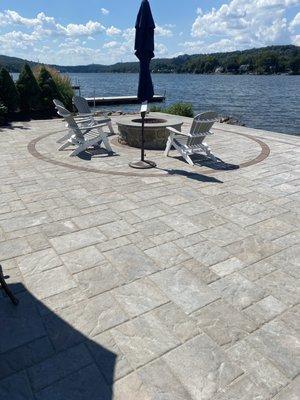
point(44, 358)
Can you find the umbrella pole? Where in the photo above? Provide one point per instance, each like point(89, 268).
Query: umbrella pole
point(143, 164)
point(143, 115)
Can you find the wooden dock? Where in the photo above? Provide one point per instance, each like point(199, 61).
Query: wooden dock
point(106, 101)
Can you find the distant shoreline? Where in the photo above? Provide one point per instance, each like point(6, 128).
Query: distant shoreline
point(180, 73)
point(172, 73)
point(271, 60)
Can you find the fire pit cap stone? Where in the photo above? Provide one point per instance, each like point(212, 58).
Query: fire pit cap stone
point(151, 120)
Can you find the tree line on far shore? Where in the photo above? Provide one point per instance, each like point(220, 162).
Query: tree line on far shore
point(31, 96)
point(263, 61)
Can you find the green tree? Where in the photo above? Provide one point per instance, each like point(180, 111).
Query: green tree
point(3, 114)
point(8, 92)
point(49, 92)
point(231, 65)
point(268, 63)
point(208, 67)
point(63, 84)
point(294, 64)
point(30, 93)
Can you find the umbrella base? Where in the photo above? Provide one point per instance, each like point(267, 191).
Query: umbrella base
point(146, 164)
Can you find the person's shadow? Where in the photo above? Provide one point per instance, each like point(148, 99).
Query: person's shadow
point(42, 357)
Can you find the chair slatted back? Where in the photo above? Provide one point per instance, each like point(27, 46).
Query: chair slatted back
point(61, 110)
point(58, 103)
point(72, 124)
point(81, 104)
point(200, 128)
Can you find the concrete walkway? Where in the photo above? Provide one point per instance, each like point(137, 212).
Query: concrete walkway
point(174, 284)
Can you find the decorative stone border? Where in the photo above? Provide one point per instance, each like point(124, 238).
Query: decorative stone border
point(31, 147)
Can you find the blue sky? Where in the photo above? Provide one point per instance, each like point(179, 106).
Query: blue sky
point(70, 32)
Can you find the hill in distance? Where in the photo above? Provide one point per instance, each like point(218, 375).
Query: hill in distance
point(266, 60)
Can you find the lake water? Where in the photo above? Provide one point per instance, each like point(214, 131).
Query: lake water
point(263, 102)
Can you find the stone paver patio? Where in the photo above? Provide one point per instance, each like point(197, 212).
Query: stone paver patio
point(177, 283)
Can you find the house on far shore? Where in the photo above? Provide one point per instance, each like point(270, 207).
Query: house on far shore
point(219, 70)
point(244, 68)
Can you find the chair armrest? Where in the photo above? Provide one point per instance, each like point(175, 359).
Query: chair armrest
point(103, 120)
point(173, 130)
point(82, 115)
point(82, 120)
point(99, 113)
point(89, 128)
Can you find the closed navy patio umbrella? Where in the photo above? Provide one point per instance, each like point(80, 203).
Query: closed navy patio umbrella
point(144, 50)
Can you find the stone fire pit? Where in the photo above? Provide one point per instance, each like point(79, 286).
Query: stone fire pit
point(156, 134)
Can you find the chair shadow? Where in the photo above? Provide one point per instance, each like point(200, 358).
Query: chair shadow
point(97, 152)
point(13, 127)
point(42, 357)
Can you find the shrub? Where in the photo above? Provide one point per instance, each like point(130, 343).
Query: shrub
point(63, 84)
point(156, 109)
point(49, 91)
point(182, 109)
point(3, 114)
point(8, 92)
point(30, 93)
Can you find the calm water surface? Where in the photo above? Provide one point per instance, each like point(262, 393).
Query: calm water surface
point(264, 102)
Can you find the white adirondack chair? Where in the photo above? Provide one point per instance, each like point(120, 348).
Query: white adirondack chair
point(63, 112)
point(84, 111)
point(193, 142)
point(83, 136)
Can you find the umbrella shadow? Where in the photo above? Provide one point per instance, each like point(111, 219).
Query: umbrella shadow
point(203, 161)
point(190, 175)
point(194, 176)
point(42, 357)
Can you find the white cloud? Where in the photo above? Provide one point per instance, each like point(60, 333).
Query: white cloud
point(78, 54)
point(295, 23)
point(245, 23)
point(43, 25)
point(160, 31)
point(17, 40)
point(88, 29)
point(161, 49)
point(238, 24)
point(129, 34)
point(201, 46)
point(10, 17)
point(110, 45)
point(104, 11)
point(112, 31)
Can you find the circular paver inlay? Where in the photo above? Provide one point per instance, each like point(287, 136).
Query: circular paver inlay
point(236, 149)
